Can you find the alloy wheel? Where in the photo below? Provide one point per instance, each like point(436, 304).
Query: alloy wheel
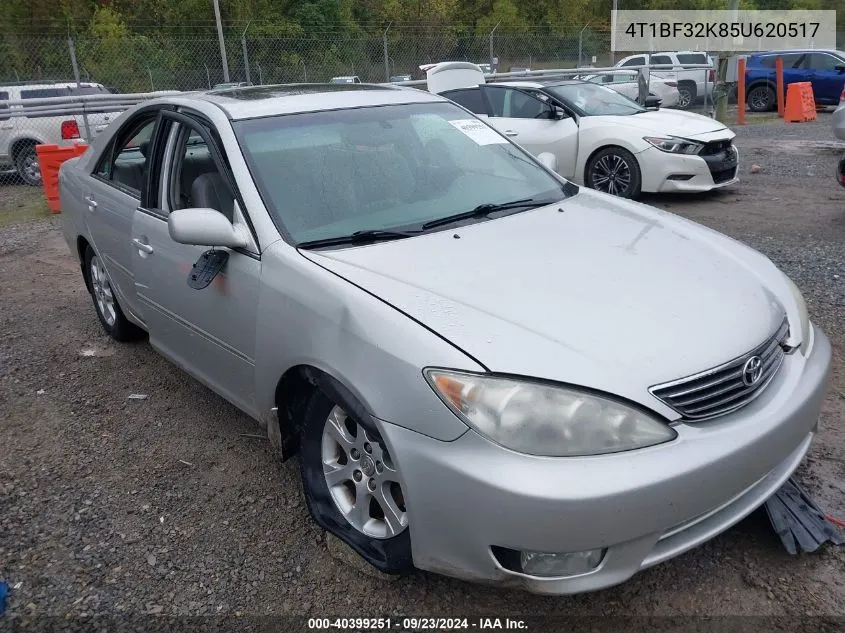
point(684, 98)
point(31, 170)
point(759, 99)
point(361, 478)
point(612, 174)
point(102, 291)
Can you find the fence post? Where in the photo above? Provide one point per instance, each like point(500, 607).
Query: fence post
point(207, 76)
point(386, 57)
point(246, 54)
point(491, 44)
point(581, 43)
point(740, 91)
point(75, 66)
point(150, 73)
point(223, 58)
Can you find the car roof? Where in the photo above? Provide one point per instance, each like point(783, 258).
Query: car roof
point(259, 101)
point(50, 84)
point(799, 51)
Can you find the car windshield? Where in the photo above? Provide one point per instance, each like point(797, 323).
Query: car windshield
point(593, 100)
point(386, 168)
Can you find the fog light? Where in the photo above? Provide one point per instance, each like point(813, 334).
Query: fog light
point(553, 565)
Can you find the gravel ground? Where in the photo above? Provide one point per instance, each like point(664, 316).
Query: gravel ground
point(167, 505)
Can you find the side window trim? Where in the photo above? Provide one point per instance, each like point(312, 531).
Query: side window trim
point(204, 128)
point(144, 115)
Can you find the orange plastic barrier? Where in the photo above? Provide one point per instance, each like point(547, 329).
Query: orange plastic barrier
point(800, 104)
point(50, 158)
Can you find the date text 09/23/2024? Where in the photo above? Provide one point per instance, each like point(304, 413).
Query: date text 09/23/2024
point(416, 624)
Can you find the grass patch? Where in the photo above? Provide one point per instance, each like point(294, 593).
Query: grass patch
point(20, 203)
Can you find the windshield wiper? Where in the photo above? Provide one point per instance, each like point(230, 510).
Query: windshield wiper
point(359, 237)
point(483, 210)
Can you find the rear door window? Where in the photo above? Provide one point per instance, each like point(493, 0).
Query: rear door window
point(470, 98)
point(39, 93)
point(692, 58)
point(661, 60)
point(126, 166)
point(635, 61)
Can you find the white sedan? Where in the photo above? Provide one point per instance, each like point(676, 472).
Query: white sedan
point(625, 83)
point(599, 138)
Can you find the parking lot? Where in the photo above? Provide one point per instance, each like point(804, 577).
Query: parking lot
point(172, 504)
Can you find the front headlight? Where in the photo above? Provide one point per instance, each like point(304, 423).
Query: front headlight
point(803, 316)
point(540, 419)
point(674, 145)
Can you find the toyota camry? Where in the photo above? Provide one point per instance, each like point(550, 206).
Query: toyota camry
point(483, 369)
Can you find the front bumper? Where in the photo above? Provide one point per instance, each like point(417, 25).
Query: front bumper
point(644, 506)
point(663, 172)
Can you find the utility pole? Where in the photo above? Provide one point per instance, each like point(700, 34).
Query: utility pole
point(386, 56)
point(613, 30)
point(492, 63)
point(223, 57)
point(721, 89)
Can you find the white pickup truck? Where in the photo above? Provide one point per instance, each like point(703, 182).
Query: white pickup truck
point(693, 83)
point(19, 134)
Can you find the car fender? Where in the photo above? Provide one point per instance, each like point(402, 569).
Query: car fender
point(27, 135)
point(596, 133)
point(334, 327)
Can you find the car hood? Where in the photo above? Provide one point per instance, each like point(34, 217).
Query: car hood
point(671, 123)
point(593, 291)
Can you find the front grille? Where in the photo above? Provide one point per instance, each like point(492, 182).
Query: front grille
point(721, 158)
point(715, 147)
point(725, 388)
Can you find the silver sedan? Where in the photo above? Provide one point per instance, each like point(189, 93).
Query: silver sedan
point(486, 371)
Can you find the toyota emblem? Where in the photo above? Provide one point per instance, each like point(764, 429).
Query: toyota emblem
point(752, 370)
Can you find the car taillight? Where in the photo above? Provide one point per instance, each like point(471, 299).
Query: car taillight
point(711, 76)
point(70, 130)
point(672, 84)
point(842, 96)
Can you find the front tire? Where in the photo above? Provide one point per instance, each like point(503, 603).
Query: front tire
point(111, 317)
point(761, 99)
point(26, 162)
point(352, 486)
point(614, 170)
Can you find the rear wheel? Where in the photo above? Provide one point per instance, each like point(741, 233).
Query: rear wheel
point(686, 95)
point(111, 317)
point(26, 162)
point(761, 98)
point(614, 170)
point(352, 485)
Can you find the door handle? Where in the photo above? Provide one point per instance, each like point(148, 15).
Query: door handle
point(511, 133)
point(92, 204)
point(141, 246)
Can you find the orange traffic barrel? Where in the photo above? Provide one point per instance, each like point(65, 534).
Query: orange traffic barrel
point(50, 158)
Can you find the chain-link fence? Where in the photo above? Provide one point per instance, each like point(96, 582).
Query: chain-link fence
point(33, 67)
point(145, 62)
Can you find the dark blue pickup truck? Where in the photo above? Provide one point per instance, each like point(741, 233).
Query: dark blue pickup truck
point(824, 69)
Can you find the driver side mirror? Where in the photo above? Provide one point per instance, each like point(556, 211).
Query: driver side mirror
point(204, 227)
point(840, 69)
point(558, 113)
point(652, 101)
